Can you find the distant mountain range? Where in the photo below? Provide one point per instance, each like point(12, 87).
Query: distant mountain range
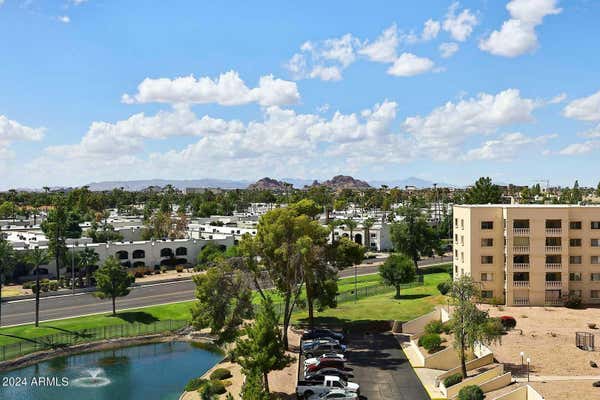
point(338, 181)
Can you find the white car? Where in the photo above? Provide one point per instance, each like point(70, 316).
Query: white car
point(314, 360)
point(337, 394)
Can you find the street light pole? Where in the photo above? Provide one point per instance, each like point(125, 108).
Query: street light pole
point(522, 364)
point(355, 285)
point(528, 361)
point(73, 269)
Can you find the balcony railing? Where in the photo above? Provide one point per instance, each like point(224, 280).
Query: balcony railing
point(553, 231)
point(553, 284)
point(520, 266)
point(553, 265)
point(521, 283)
point(520, 249)
point(522, 301)
point(520, 231)
point(554, 302)
point(553, 249)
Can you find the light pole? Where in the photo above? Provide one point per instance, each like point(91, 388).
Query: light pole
point(355, 284)
point(73, 269)
point(522, 358)
point(528, 361)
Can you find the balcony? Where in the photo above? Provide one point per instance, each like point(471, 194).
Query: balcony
point(520, 231)
point(520, 249)
point(554, 231)
point(521, 301)
point(553, 284)
point(553, 265)
point(524, 284)
point(553, 249)
point(521, 266)
point(554, 302)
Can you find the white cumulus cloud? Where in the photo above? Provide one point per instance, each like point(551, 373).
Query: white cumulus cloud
point(228, 89)
point(12, 131)
point(507, 147)
point(383, 49)
point(409, 64)
point(447, 49)
point(584, 109)
point(459, 24)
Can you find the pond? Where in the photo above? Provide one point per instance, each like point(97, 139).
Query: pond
point(153, 371)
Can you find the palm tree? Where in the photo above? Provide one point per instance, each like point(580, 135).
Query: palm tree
point(332, 224)
point(367, 225)
point(351, 226)
point(37, 257)
point(87, 258)
point(7, 262)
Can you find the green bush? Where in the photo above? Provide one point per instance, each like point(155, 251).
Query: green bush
point(571, 302)
point(447, 327)
point(28, 284)
point(217, 387)
point(444, 287)
point(452, 380)
point(53, 285)
point(179, 268)
point(195, 384)
point(472, 392)
point(430, 341)
point(138, 274)
point(434, 327)
point(220, 373)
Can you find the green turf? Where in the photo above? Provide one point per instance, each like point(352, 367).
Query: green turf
point(414, 302)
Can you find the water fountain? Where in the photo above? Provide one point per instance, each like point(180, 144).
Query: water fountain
point(94, 380)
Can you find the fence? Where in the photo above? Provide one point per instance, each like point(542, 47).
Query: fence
point(69, 338)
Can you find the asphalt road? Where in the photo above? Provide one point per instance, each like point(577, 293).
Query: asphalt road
point(23, 311)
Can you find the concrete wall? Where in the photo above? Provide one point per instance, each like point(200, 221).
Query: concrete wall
point(417, 325)
point(523, 393)
point(453, 390)
point(473, 364)
point(496, 383)
point(444, 359)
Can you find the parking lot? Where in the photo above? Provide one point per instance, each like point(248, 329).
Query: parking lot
point(379, 366)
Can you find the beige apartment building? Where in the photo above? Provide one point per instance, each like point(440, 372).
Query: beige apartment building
point(529, 254)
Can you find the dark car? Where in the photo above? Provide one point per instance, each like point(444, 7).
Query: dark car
point(320, 375)
point(323, 333)
point(325, 363)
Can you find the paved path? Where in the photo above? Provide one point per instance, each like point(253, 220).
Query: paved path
point(541, 378)
point(381, 368)
point(66, 306)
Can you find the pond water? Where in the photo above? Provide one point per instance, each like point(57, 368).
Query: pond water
point(153, 371)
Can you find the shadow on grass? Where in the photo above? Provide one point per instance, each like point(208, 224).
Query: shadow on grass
point(412, 296)
point(137, 316)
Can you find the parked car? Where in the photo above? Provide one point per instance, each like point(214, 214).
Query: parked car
point(313, 360)
point(327, 371)
point(306, 344)
point(325, 363)
point(337, 394)
point(308, 388)
point(322, 333)
point(323, 348)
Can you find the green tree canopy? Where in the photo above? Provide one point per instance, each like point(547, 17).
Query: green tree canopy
point(7, 264)
point(398, 269)
point(483, 192)
point(113, 281)
point(413, 236)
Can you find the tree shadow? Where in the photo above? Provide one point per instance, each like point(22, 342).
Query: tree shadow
point(137, 316)
point(79, 334)
point(412, 296)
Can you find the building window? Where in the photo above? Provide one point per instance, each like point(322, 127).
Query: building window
point(595, 224)
point(487, 224)
point(575, 276)
point(595, 260)
point(574, 260)
point(456, 268)
point(456, 237)
point(456, 253)
point(462, 224)
point(462, 239)
point(595, 243)
point(487, 242)
point(521, 276)
point(553, 224)
point(487, 259)
point(575, 293)
point(521, 259)
point(595, 276)
point(487, 294)
point(575, 225)
point(553, 241)
point(521, 223)
point(487, 277)
point(554, 259)
point(456, 222)
point(595, 294)
point(575, 242)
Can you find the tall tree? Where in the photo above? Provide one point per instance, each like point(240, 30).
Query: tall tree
point(37, 257)
point(261, 349)
point(367, 225)
point(113, 281)
point(351, 225)
point(412, 235)
point(60, 225)
point(483, 192)
point(224, 301)
point(7, 263)
point(470, 324)
point(87, 259)
point(397, 270)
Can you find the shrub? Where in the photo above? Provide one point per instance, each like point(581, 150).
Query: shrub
point(220, 374)
point(195, 384)
point(573, 302)
point(163, 269)
point(28, 284)
point(138, 274)
point(434, 327)
point(472, 392)
point(217, 387)
point(452, 380)
point(508, 322)
point(148, 272)
point(157, 272)
point(493, 327)
point(179, 268)
point(430, 341)
point(444, 287)
point(447, 327)
point(53, 285)
point(44, 286)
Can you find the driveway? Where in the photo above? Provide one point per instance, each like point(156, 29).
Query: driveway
point(381, 368)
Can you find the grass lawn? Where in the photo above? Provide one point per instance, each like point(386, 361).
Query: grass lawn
point(414, 302)
point(8, 291)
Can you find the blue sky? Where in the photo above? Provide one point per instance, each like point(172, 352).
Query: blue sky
point(445, 91)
